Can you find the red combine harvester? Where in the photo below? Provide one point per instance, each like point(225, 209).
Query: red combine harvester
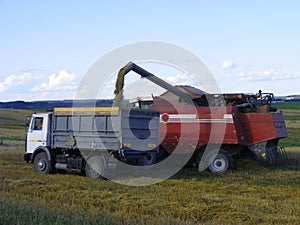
point(228, 124)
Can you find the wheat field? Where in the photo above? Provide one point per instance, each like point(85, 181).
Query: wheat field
point(250, 194)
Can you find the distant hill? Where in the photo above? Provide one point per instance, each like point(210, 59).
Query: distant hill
point(287, 99)
point(49, 105)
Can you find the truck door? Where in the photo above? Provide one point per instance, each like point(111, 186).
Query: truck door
point(37, 132)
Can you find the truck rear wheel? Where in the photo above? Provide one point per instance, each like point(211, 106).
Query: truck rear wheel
point(94, 167)
point(149, 159)
point(222, 162)
point(42, 164)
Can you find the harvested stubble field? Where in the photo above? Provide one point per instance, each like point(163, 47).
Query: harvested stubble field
point(251, 194)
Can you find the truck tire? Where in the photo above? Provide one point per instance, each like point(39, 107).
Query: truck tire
point(149, 159)
point(222, 162)
point(42, 164)
point(94, 167)
point(162, 155)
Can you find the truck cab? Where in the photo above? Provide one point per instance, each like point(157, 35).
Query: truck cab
point(38, 134)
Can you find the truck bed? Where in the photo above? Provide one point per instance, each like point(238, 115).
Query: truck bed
point(105, 128)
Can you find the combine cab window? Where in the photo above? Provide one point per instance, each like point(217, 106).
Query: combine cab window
point(142, 105)
point(146, 105)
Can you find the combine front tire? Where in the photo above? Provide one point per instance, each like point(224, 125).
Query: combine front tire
point(222, 162)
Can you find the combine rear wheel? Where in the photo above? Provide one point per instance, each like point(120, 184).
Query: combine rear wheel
point(222, 162)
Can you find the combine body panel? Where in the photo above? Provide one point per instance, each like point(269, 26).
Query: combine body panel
point(240, 128)
point(171, 123)
point(253, 128)
point(68, 137)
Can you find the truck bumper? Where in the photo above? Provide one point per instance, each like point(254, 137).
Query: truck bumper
point(28, 157)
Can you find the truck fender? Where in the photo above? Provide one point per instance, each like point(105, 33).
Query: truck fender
point(42, 149)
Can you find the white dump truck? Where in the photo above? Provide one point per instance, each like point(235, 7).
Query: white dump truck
point(74, 139)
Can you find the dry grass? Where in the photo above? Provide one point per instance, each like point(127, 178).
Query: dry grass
point(252, 194)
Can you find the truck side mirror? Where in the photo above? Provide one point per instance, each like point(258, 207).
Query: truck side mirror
point(27, 122)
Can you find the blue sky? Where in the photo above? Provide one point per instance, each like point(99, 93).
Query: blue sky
point(47, 46)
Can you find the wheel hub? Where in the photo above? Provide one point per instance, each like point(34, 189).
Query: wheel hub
point(219, 164)
point(41, 165)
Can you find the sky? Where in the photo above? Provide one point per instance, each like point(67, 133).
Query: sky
point(46, 47)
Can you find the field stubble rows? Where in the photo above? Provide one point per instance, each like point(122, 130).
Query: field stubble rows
point(252, 194)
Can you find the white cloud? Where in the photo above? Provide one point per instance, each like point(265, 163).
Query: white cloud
point(267, 75)
point(14, 81)
point(228, 64)
point(179, 79)
point(28, 86)
point(61, 81)
point(172, 79)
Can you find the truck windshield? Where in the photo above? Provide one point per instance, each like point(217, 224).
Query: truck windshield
point(37, 123)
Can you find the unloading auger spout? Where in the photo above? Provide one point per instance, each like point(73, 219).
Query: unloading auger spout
point(145, 74)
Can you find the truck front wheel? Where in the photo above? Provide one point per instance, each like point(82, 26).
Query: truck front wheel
point(41, 163)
